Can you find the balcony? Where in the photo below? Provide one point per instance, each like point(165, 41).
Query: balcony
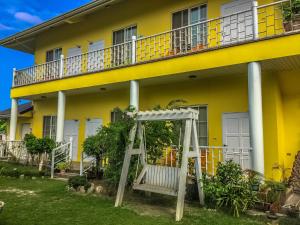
point(257, 23)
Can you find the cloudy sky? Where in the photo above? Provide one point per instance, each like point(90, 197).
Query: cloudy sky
point(18, 15)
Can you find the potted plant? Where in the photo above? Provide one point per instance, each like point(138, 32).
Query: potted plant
point(62, 167)
point(291, 16)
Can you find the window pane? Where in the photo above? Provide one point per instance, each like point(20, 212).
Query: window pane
point(176, 20)
point(118, 37)
point(202, 114)
point(203, 12)
point(203, 141)
point(202, 129)
point(49, 56)
point(57, 53)
point(46, 126)
point(195, 15)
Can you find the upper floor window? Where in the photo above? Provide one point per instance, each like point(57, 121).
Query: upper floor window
point(53, 54)
point(121, 54)
point(124, 35)
point(191, 37)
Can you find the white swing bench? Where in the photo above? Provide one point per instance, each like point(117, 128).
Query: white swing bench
point(163, 179)
point(158, 179)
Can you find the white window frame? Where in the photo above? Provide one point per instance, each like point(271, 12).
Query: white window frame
point(52, 126)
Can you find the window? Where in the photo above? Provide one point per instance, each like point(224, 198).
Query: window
point(49, 127)
point(191, 37)
point(115, 115)
point(202, 125)
point(53, 54)
point(124, 35)
point(122, 53)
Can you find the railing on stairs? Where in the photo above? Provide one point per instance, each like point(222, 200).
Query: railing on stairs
point(62, 153)
point(86, 163)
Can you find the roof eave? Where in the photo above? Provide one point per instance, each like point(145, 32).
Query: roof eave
point(18, 38)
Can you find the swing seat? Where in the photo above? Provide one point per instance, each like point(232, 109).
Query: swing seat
point(158, 179)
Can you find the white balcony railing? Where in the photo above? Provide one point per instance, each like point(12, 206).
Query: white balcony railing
point(250, 25)
point(211, 156)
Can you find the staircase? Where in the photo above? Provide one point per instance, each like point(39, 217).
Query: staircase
point(62, 153)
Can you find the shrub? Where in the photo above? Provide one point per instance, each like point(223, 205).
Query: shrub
point(15, 170)
point(229, 188)
point(77, 181)
point(94, 146)
point(63, 166)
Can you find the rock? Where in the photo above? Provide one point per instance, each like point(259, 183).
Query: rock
point(91, 188)
point(81, 189)
point(22, 176)
point(99, 189)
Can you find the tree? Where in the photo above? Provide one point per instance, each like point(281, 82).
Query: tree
point(94, 146)
point(3, 126)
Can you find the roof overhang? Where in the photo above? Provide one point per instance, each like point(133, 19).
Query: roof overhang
point(25, 40)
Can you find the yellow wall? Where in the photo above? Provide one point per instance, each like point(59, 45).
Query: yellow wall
point(292, 128)
point(222, 94)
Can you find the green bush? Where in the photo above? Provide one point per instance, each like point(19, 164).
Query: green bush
point(230, 188)
point(15, 170)
point(77, 181)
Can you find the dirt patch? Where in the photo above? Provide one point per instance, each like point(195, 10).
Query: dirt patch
point(18, 192)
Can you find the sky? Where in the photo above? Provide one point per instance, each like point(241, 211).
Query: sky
point(16, 16)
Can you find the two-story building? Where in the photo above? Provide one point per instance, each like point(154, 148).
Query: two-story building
point(237, 62)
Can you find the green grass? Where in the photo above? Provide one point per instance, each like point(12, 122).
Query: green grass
point(50, 203)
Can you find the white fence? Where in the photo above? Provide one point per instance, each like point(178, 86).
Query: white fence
point(14, 150)
point(210, 157)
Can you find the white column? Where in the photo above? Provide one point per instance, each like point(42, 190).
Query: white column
point(133, 51)
point(13, 119)
point(256, 116)
point(60, 116)
point(255, 20)
point(134, 94)
point(61, 66)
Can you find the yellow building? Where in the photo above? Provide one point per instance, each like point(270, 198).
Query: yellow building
point(237, 62)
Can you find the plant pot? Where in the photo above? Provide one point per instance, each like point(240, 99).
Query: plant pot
point(255, 187)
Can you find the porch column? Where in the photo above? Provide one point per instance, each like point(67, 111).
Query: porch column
point(256, 116)
point(134, 94)
point(13, 119)
point(60, 116)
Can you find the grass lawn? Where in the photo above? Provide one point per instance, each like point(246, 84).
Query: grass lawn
point(44, 201)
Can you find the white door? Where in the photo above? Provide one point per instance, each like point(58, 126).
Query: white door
point(237, 27)
point(26, 129)
point(92, 126)
point(74, 61)
point(71, 130)
point(236, 136)
point(96, 56)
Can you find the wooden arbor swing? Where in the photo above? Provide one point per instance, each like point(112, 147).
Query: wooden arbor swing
point(163, 179)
